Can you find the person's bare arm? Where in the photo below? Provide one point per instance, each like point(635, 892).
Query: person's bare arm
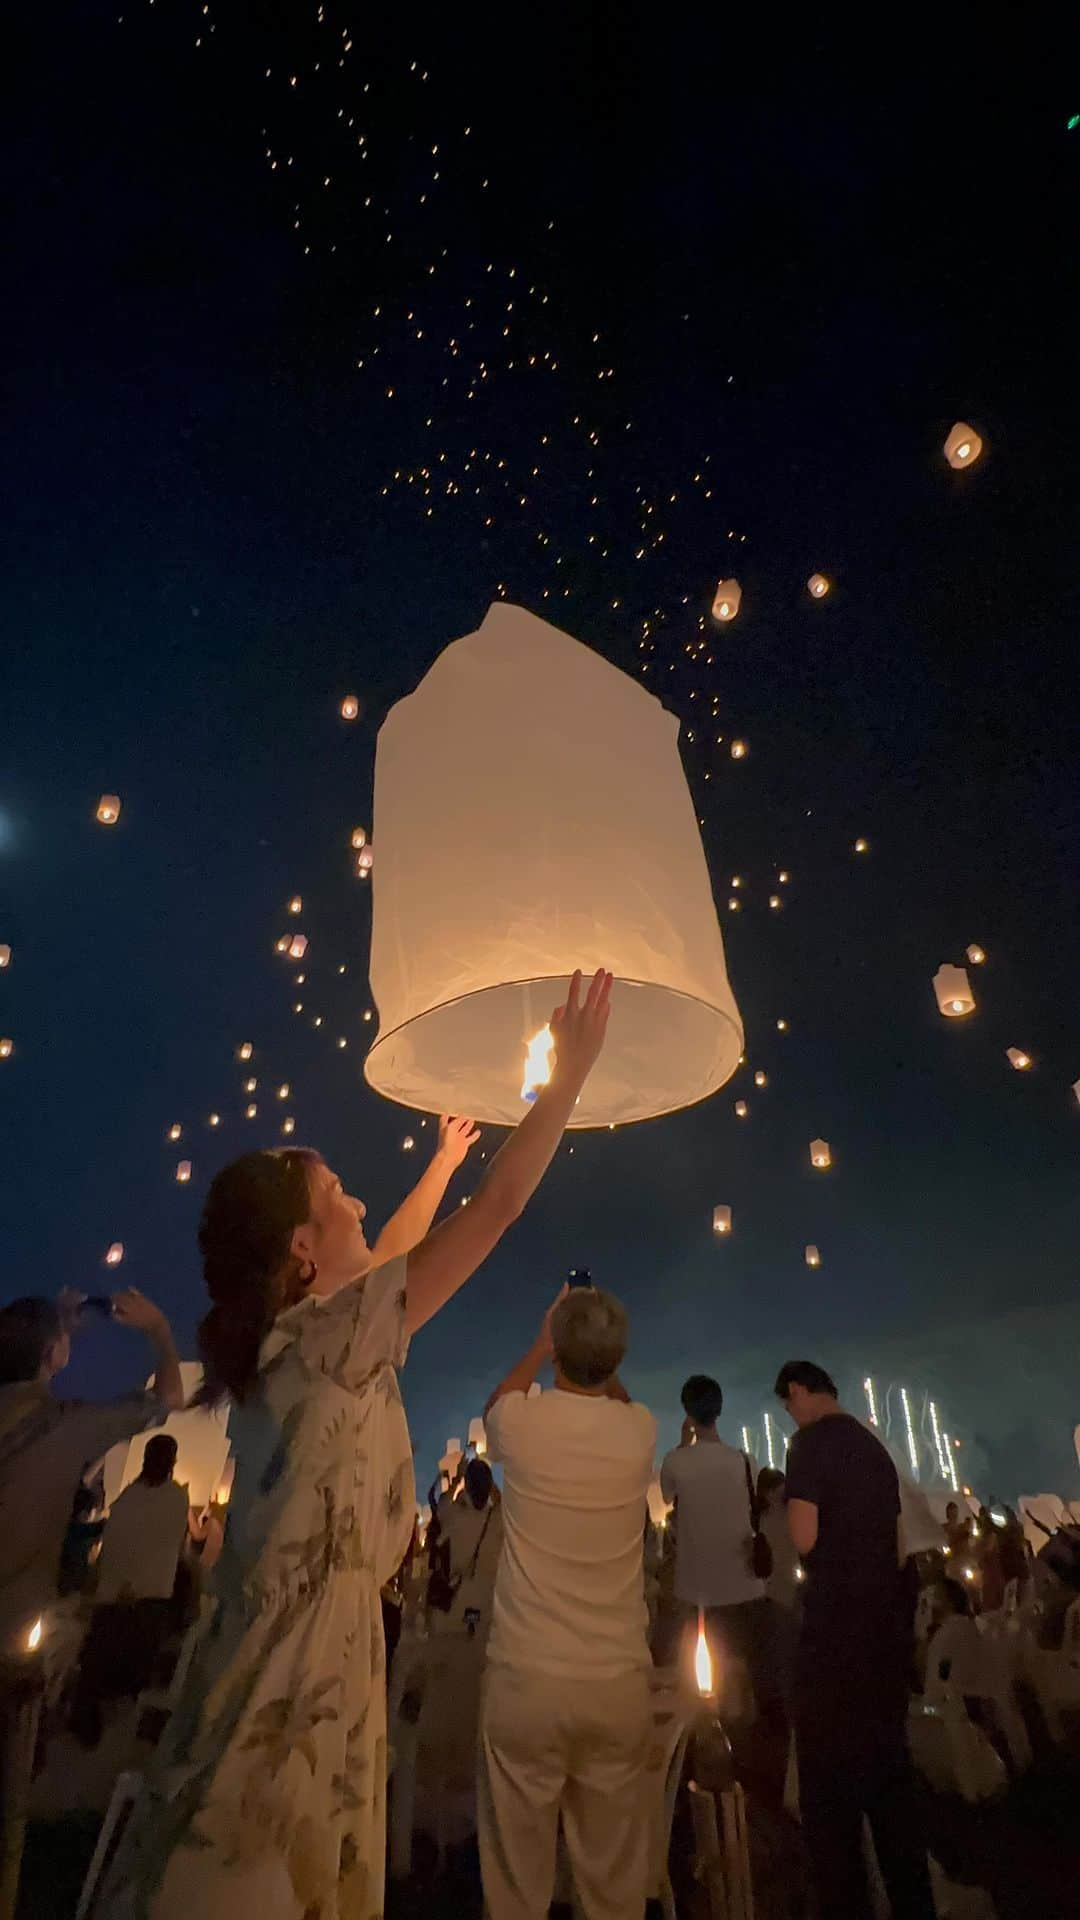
point(407, 1227)
point(133, 1309)
point(802, 1525)
point(520, 1378)
point(454, 1249)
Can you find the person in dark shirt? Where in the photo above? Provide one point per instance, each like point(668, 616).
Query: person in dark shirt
point(854, 1656)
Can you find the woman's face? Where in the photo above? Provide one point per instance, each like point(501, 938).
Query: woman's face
point(333, 1238)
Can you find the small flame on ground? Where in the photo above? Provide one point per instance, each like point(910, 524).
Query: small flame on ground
point(702, 1659)
point(538, 1058)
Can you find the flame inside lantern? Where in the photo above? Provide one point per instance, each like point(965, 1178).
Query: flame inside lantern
point(538, 1061)
point(34, 1637)
point(702, 1659)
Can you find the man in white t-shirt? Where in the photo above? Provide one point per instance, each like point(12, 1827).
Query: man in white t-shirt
point(713, 1487)
point(566, 1718)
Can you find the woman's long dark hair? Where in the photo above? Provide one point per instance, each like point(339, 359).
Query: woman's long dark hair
point(251, 1272)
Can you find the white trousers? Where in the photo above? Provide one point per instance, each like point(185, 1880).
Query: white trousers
point(576, 1748)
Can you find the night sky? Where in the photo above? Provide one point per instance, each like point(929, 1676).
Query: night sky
point(801, 264)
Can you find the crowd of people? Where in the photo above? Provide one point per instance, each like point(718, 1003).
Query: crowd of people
point(543, 1605)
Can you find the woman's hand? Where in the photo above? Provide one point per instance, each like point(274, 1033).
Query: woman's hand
point(456, 1136)
point(133, 1309)
point(578, 1031)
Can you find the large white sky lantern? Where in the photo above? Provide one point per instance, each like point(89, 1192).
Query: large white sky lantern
point(532, 816)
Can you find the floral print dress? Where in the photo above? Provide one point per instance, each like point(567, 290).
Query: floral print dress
point(269, 1796)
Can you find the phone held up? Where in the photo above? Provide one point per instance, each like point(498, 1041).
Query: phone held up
point(579, 1277)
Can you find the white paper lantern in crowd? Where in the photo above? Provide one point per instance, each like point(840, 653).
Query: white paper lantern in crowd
point(726, 600)
point(478, 1436)
point(575, 844)
point(952, 989)
point(721, 1219)
point(820, 1153)
point(963, 445)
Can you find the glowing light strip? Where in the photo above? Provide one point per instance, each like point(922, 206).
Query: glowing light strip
point(770, 1449)
point(950, 1464)
point(938, 1442)
point(909, 1433)
point(871, 1401)
point(745, 1431)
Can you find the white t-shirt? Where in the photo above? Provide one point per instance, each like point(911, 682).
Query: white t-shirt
point(141, 1545)
point(570, 1594)
point(712, 1564)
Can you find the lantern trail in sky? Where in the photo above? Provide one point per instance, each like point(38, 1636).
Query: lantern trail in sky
point(466, 958)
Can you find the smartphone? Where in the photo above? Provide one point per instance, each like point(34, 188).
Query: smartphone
point(97, 1303)
point(579, 1277)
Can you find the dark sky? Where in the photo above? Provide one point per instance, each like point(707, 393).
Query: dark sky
point(803, 263)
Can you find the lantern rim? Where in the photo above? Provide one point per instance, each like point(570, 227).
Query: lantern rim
point(556, 983)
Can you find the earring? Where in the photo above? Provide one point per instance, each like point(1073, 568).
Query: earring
point(308, 1273)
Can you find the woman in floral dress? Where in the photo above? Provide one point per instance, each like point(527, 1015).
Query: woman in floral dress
point(268, 1800)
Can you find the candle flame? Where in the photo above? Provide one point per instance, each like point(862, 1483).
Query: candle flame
point(34, 1637)
point(702, 1659)
point(538, 1061)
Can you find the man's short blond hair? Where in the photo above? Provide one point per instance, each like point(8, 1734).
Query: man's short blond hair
point(589, 1332)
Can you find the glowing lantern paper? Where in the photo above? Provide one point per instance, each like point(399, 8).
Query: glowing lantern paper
point(175, 1131)
point(813, 1257)
point(721, 1219)
point(244, 1050)
point(976, 955)
point(1018, 1058)
point(726, 600)
point(250, 1086)
point(820, 1153)
point(108, 809)
point(297, 946)
point(213, 1120)
point(251, 1112)
point(350, 707)
point(478, 1436)
point(115, 1254)
point(359, 837)
point(35, 1636)
point(862, 846)
point(539, 1059)
point(963, 445)
point(1076, 1091)
point(7, 1048)
point(183, 1171)
point(741, 1109)
point(469, 955)
point(952, 989)
point(288, 1125)
point(365, 860)
point(739, 749)
point(5, 955)
point(296, 904)
point(283, 1090)
point(761, 1078)
point(818, 586)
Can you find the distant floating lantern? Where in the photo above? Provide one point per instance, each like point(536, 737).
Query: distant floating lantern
point(175, 1131)
point(250, 1085)
point(775, 902)
point(963, 445)
point(734, 904)
point(367, 1013)
point(342, 1042)
point(721, 1219)
point(213, 1119)
point(952, 989)
point(115, 1254)
point(742, 1109)
point(350, 707)
point(813, 1257)
point(818, 586)
point(726, 600)
point(783, 876)
point(288, 1125)
point(781, 1026)
point(251, 1111)
point(296, 904)
point(469, 954)
point(245, 1050)
point(183, 1171)
point(298, 1006)
point(1018, 1058)
point(359, 837)
point(297, 946)
point(1076, 1092)
point(283, 1090)
point(365, 860)
point(408, 1143)
point(820, 1153)
point(862, 846)
point(976, 956)
point(761, 1078)
point(5, 956)
point(282, 945)
point(7, 1048)
point(739, 749)
point(108, 809)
